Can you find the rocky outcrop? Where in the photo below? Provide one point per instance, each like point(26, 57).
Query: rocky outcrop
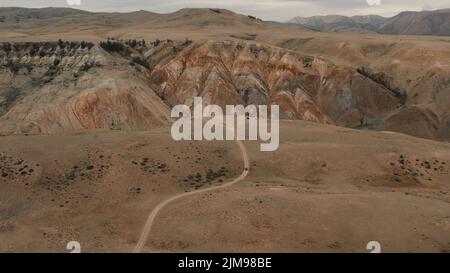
point(131, 85)
point(305, 87)
point(64, 90)
point(415, 72)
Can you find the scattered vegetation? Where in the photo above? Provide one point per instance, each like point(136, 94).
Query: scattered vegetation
point(418, 170)
point(45, 48)
point(85, 67)
point(131, 43)
point(307, 61)
point(12, 168)
point(7, 47)
point(186, 42)
point(122, 46)
point(90, 170)
point(135, 43)
point(112, 46)
point(176, 49)
point(255, 50)
point(141, 61)
point(157, 42)
point(380, 78)
point(152, 166)
point(247, 36)
point(197, 180)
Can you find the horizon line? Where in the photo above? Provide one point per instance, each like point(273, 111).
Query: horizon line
point(212, 8)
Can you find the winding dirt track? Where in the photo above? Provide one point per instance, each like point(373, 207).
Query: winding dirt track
point(151, 218)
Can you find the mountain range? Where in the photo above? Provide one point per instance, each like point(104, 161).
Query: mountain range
point(406, 23)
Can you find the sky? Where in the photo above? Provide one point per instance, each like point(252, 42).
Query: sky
point(278, 10)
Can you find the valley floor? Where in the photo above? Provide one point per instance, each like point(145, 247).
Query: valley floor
point(327, 189)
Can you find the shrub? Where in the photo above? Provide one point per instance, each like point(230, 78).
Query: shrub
point(73, 45)
point(142, 62)
point(61, 44)
point(34, 49)
point(132, 43)
point(112, 46)
point(7, 47)
point(86, 66)
point(254, 50)
point(157, 42)
point(51, 72)
point(187, 42)
point(87, 45)
point(56, 62)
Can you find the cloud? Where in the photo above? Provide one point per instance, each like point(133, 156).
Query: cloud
point(267, 9)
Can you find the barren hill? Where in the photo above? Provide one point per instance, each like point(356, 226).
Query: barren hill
point(64, 86)
point(396, 83)
point(417, 68)
point(53, 23)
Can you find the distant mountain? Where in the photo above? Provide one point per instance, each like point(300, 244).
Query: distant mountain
point(20, 17)
point(406, 23)
point(51, 24)
point(419, 23)
point(338, 23)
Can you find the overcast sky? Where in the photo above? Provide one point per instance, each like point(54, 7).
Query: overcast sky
point(280, 10)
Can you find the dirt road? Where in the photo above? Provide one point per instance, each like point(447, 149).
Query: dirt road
point(154, 213)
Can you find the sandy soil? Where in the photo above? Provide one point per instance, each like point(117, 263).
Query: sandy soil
point(98, 187)
point(326, 189)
